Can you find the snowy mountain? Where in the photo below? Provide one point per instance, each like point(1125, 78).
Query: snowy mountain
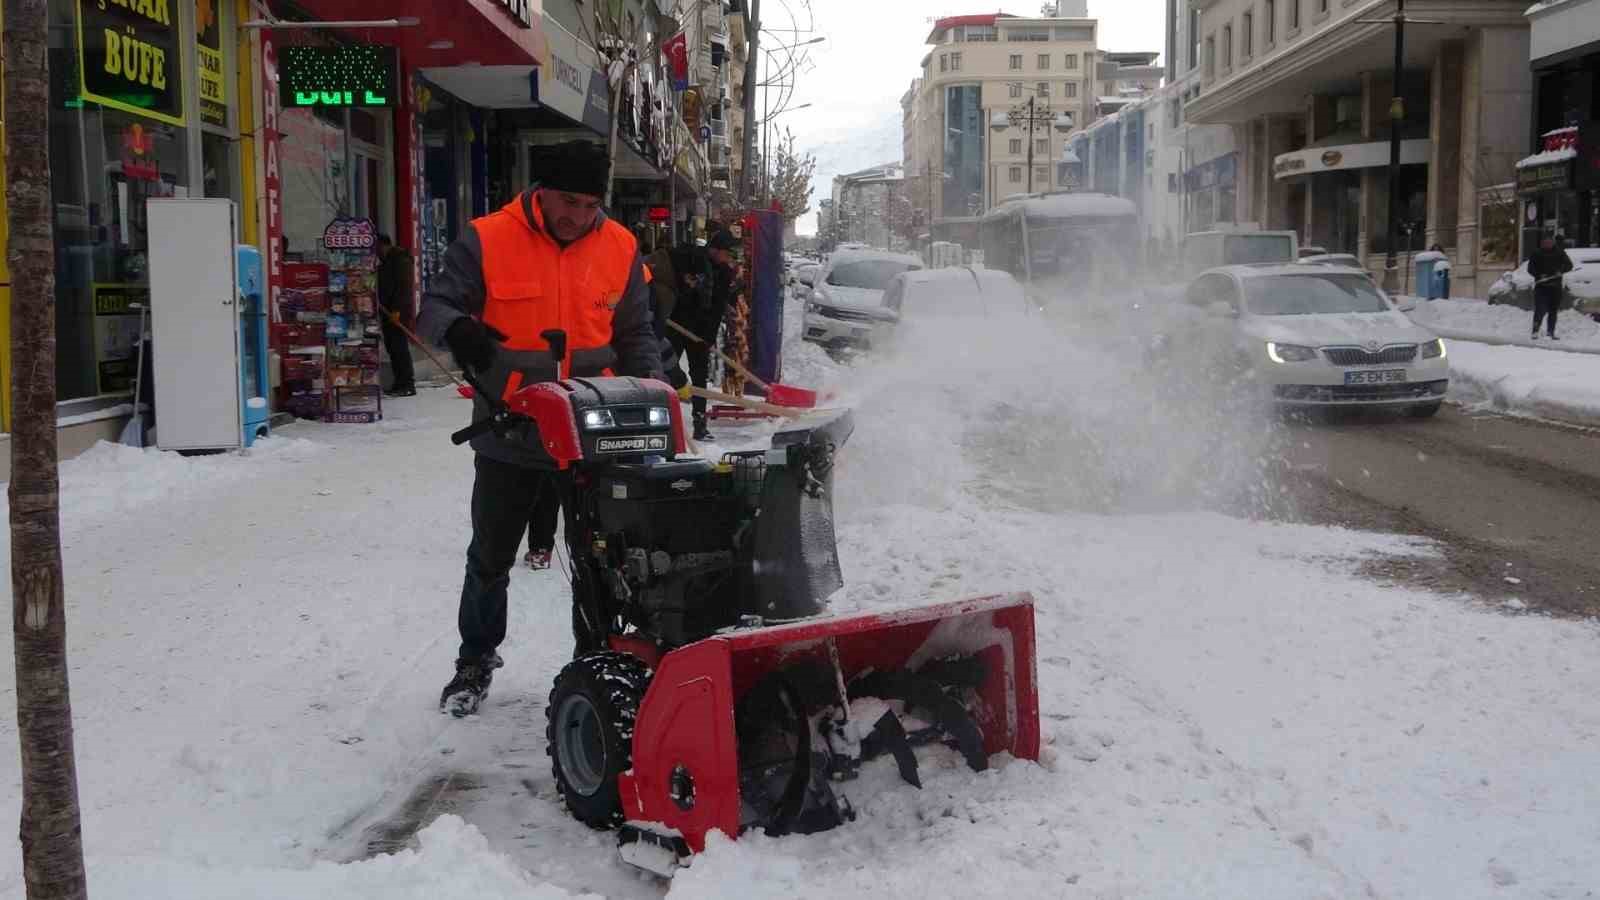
point(849, 152)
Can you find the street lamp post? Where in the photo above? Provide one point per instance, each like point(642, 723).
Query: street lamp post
point(1031, 115)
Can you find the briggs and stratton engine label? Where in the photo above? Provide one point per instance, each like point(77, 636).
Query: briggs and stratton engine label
point(640, 444)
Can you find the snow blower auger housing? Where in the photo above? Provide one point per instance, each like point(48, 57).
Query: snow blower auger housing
point(711, 690)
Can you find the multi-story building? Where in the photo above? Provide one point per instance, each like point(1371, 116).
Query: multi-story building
point(1558, 186)
point(1121, 78)
point(1307, 89)
point(981, 68)
point(870, 207)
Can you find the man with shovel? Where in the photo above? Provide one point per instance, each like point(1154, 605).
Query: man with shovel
point(1548, 266)
point(699, 311)
point(549, 260)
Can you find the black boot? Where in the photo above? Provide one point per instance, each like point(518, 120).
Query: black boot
point(700, 431)
point(465, 692)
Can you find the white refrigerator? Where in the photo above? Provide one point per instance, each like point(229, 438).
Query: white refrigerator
point(194, 324)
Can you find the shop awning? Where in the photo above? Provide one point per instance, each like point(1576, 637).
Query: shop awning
point(493, 44)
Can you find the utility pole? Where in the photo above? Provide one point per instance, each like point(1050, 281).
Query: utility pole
point(1397, 115)
point(752, 26)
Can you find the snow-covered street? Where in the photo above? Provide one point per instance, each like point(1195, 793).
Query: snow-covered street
point(1230, 709)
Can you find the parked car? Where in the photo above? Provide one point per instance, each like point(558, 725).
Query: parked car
point(1318, 336)
point(806, 273)
point(845, 308)
point(1580, 287)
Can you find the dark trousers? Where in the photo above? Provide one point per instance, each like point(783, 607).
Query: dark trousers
point(1545, 305)
point(699, 368)
point(542, 521)
point(394, 340)
point(502, 495)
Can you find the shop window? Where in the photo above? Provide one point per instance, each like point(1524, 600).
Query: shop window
point(220, 170)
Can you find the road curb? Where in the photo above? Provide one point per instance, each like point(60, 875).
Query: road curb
point(1500, 341)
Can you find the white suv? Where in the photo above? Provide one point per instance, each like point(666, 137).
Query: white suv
point(845, 308)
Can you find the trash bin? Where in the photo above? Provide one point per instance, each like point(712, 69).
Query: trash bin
point(1432, 274)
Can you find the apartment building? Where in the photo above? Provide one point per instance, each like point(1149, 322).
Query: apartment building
point(1306, 87)
point(967, 153)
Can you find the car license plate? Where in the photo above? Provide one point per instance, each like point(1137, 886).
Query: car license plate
point(1383, 376)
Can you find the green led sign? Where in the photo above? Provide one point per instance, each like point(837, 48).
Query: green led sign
point(348, 75)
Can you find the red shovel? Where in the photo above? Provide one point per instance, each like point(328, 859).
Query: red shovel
point(777, 394)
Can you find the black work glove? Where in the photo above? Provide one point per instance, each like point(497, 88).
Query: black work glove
point(473, 343)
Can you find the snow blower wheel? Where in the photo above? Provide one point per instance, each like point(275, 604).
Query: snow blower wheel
point(590, 730)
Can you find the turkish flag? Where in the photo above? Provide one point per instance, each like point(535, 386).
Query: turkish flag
point(676, 50)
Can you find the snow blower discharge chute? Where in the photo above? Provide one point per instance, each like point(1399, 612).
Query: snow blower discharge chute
point(721, 694)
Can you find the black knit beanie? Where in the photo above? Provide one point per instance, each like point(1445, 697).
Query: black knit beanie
point(577, 167)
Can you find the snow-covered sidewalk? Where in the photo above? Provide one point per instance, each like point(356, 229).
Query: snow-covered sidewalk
point(1475, 320)
point(1229, 709)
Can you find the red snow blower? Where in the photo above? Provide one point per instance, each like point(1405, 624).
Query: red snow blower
point(716, 693)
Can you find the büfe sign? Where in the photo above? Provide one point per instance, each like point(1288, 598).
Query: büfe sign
point(128, 57)
point(346, 75)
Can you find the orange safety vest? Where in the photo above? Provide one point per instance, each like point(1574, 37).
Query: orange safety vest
point(532, 284)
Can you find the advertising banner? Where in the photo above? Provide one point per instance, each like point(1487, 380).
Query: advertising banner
point(129, 57)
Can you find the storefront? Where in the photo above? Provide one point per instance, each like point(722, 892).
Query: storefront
point(1558, 187)
point(382, 130)
point(1212, 189)
point(1332, 172)
point(144, 103)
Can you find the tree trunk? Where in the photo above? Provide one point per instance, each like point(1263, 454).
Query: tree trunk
point(51, 835)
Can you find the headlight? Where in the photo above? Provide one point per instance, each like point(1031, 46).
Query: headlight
point(598, 418)
point(658, 417)
point(1289, 353)
point(1434, 349)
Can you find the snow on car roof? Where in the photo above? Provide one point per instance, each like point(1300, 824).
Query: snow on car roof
point(963, 274)
point(843, 256)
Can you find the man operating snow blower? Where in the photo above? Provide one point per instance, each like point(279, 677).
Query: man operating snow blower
point(549, 260)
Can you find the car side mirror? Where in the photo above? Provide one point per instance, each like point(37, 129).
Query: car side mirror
point(1222, 309)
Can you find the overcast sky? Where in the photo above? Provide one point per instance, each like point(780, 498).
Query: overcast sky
point(873, 47)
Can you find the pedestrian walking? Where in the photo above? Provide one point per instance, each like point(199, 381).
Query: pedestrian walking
point(1548, 266)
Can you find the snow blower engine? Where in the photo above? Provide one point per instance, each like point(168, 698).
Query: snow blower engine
point(711, 691)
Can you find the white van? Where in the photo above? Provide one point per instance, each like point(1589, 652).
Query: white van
point(1204, 250)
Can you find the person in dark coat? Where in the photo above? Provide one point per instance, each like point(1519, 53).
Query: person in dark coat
point(394, 300)
point(702, 299)
point(1548, 265)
